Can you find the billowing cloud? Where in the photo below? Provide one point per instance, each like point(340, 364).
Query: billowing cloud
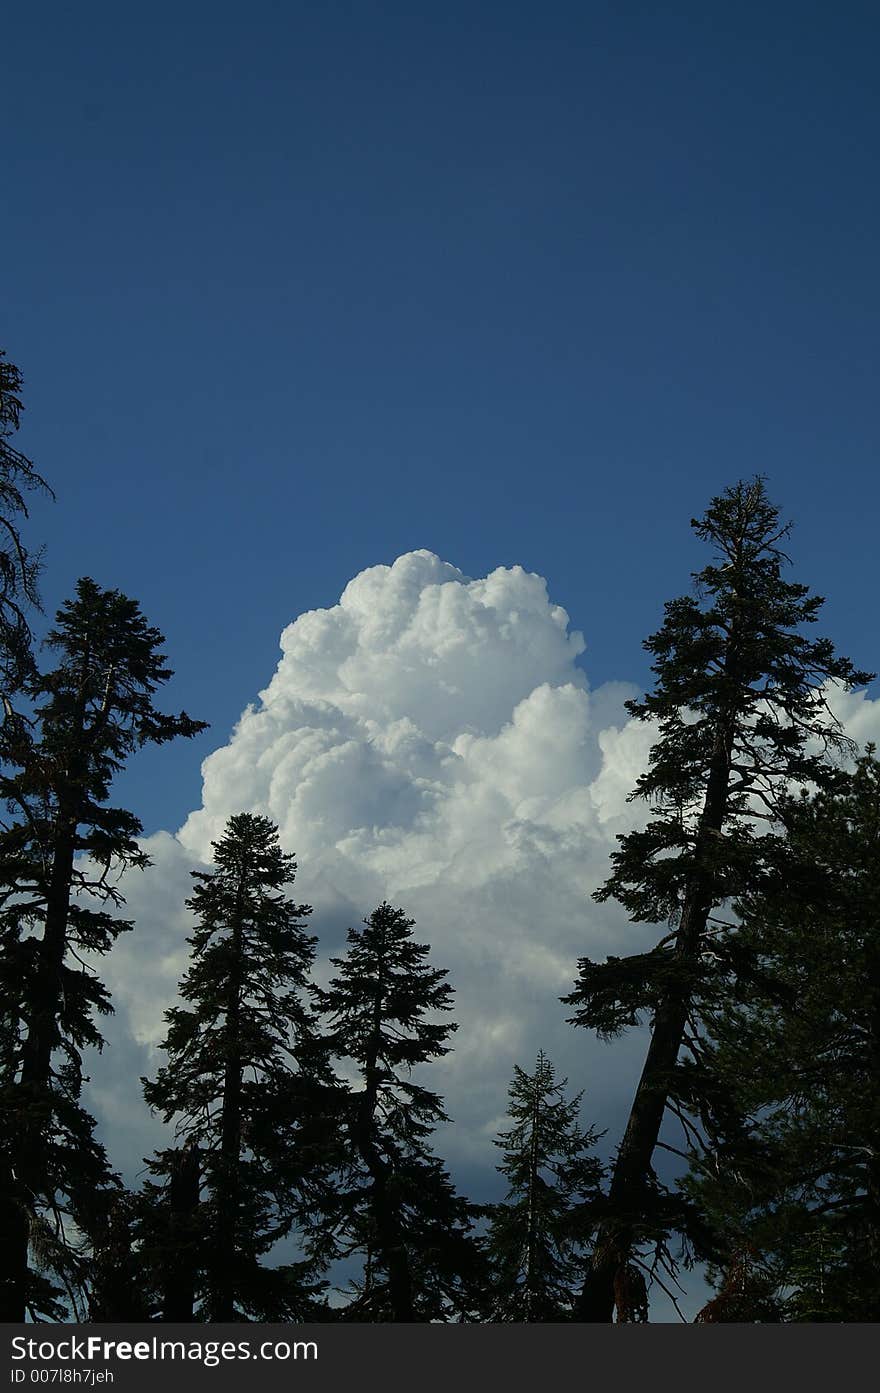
point(430, 740)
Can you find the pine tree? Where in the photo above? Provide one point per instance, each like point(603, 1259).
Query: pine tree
point(396, 1205)
point(116, 1288)
point(19, 568)
point(796, 1183)
point(740, 710)
point(538, 1235)
point(243, 1075)
point(61, 853)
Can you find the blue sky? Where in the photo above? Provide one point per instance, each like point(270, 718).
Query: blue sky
point(298, 288)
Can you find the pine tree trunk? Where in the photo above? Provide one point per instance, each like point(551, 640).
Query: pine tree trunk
point(223, 1305)
point(533, 1185)
point(391, 1243)
point(180, 1281)
point(390, 1240)
point(43, 1026)
point(13, 1249)
point(30, 1179)
point(633, 1165)
point(632, 1168)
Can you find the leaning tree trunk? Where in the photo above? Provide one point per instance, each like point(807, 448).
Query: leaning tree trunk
point(607, 1283)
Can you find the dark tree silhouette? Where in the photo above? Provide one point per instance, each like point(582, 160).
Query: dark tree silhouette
point(740, 709)
point(244, 1070)
point(19, 568)
point(538, 1236)
point(793, 1188)
point(396, 1206)
point(170, 1235)
point(116, 1288)
point(61, 851)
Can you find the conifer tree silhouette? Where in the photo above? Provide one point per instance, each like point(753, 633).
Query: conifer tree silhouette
point(396, 1205)
point(19, 567)
point(792, 1185)
point(741, 712)
point(538, 1235)
point(244, 1070)
point(61, 852)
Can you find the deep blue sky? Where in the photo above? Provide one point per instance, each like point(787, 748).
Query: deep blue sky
point(298, 287)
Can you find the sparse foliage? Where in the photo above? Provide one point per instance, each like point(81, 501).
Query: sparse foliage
point(538, 1235)
point(19, 567)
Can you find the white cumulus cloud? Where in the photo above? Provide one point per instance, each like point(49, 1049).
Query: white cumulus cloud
point(430, 740)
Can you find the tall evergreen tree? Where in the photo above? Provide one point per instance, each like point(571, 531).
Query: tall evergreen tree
point(740, 711)
point(62, 849)
point(793, 1187)
point(19, 567)
point(244, 1070)
point(396, 1206)
point(538, 1235)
